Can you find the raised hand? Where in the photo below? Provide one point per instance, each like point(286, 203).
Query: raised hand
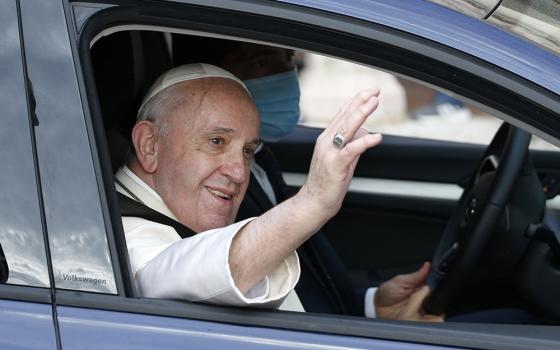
point(334, 160)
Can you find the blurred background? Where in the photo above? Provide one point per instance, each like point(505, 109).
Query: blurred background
point(406, 108)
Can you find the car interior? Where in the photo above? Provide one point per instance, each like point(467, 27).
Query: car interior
point(509, 258)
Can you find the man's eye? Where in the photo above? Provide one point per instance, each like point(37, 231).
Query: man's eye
point(216, 141)
point(250, 152)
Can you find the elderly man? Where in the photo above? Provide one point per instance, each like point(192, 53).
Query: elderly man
point(194, 139)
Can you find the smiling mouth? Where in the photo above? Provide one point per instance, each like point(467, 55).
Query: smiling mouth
point(219, 194)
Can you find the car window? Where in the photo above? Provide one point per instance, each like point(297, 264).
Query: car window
point(406, 108)
point(76, 227)
point(21, 233)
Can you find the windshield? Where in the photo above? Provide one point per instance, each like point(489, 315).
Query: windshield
point(535, 20)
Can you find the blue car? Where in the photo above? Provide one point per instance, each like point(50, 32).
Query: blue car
point(486, 213)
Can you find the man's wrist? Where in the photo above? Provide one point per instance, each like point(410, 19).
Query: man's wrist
point(305, 202)
point(316, 203)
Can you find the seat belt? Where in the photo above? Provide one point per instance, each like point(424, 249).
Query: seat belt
point(130, 207)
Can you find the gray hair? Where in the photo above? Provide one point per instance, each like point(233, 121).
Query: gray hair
point(156, 110)
point(165, 102)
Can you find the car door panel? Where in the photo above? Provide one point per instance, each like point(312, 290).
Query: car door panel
point(377, 240)
point(26, 325)
point(399, 201)
point(397, 205)
point(80, 328)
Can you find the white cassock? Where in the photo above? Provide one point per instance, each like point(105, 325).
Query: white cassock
point(195, 268)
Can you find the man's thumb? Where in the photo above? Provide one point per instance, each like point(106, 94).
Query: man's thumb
point(418, 277)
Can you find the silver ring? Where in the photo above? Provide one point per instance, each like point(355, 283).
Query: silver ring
point(338, 141)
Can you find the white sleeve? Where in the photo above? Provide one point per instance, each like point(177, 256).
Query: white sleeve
point(197, 268)
point(369, 305)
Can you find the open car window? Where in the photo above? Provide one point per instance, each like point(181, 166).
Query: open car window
point(407, 109)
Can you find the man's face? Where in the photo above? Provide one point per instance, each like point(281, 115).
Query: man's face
point(203, 162)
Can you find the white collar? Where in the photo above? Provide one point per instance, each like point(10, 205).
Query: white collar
point(140, 182)
point(132, 186)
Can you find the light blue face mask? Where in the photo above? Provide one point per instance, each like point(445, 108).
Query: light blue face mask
point(277, 99)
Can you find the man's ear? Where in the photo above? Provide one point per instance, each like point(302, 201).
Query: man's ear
point(145, 140)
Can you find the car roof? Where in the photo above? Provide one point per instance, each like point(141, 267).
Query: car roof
point(455, 30)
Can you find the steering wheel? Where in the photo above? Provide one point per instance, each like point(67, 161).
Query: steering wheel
point(474, 219)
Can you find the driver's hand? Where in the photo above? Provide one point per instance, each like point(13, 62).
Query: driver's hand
point(401, 297)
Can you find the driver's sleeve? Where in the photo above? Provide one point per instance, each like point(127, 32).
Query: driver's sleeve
point(197, 269)
point(369, 304)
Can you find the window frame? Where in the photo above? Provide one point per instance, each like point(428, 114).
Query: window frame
point(391, 46)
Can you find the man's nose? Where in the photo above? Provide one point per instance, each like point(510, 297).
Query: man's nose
point(236, 167)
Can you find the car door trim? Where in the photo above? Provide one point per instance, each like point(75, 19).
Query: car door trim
point(26, 293)
point(401, 188)
point(488, 336)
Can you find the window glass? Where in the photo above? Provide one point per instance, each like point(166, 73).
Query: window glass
point(406, 108)
point(76, 227)
point(21, 234)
